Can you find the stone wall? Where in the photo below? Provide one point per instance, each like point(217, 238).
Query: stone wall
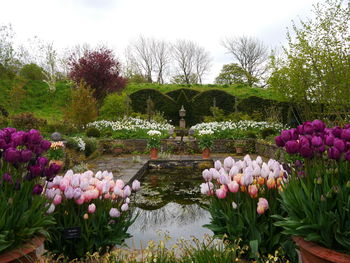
point(269, 151)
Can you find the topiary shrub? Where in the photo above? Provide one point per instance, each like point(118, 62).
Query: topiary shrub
point(162, 103)
point(93, 132)
point(26, 121)
point(190, 93)
point(115, 106)
point(91, 146)
point(202, 103)
point(259, 108)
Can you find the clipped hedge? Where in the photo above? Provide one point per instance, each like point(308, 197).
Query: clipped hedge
point(202, 102)
point(162, 103)
point(190, 93)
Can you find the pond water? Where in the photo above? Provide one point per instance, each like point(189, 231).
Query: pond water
point(169, 202)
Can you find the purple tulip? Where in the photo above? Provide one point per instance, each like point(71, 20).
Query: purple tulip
point(3, 144)
point(337, 131)
point(11, 155)
point(300, 129)
point(35, 170)
point(308, 128)
point(279, 141)
point(17, 185)
point(54, 168)
point(347, 156)
point(7, 178)
point(304, 141)
point(26, 155)
point(9, 130)
point(333, 153)
point(320, 149)
point(292, 147)
point(294, 134)
point(45, 145)
point(18, 138)
point(318, 125)
point(42, 161)
point(347, 145)
point(347, 126)
point(316, 141)
point(286, 135)
point(329, 140)
point(306, 152)
point(34, 137)
point(37, 189)
point(37, 150)
point(345, 135)
point(339, 144)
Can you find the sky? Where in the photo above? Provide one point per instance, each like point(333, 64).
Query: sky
point(115, 23)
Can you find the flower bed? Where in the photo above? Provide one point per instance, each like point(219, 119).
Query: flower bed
point(237, 130)
point(128, 128)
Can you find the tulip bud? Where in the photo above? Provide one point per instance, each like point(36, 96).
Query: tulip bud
point(91, 208)
point(86, 216)
point(136, 185)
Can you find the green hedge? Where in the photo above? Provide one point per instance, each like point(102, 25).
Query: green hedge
point(190, 93)
point(202, 102)
point(163, 103)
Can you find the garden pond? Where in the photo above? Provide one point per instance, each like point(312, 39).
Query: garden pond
point(169, 202)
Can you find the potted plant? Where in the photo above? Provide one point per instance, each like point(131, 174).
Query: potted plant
point(240, 148)
point(118, 149)
point(205, 142)
point(153, 143)
point(91, 212)
point(317, 198)
point(243, 195)
point(23, 209)
point(56, 153)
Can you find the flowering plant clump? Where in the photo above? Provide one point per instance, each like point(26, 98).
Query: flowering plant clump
point(129, 127)
point(205, 139)
point(80, 143)
point(236, 130)
point(56, 151)
point(96, 206)
point(153, 139)
point(317, 198)
point(23, 172)
point(244, 194)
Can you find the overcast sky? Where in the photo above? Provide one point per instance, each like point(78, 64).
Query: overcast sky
point(117, 22)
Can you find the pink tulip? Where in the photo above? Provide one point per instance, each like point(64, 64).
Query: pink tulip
point(56, 180)
point(51, 209)
point(127, 191)
point(77, 193)
point(233, 187)
point(50, 193)
point(216, 174)
point(64, 183)
point(217, 165)
point(91, 208)
point(271, 183)
point(223, 179)
point(117, 191)
point(114, 212)
point(80, 200)
point(127, 200)
point(207, 175)
point(228, 163)
point(263, 202)
point(136, 185)
point(253, 190)
point(233, 171)
point(125, 207)
point(69, 192)
point(75, 181)
point(120, 183)
point(260, 210)
point(57, 200)
point(107, 196)
point(220, 193)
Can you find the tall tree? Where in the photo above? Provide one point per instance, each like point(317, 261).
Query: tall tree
point(190, 59)
point(161, 55)
point(100, 70)
point(315, 68)
point(231, 74)
point(251, 54)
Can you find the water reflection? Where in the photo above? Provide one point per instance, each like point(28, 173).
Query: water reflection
point(169, 201)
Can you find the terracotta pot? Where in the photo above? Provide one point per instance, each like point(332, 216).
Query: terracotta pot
point(239, 150)
point(154, 154)
point(313, 253)
point(206, 153)
point(24, 254)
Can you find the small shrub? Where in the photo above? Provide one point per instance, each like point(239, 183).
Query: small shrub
point(250, 135)
point(61, 127)
point(115, 105)
point(267, 132)
point(90, 146)
point(93, 132)
point(27, 121)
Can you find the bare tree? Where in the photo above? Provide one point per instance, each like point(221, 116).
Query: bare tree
point(251, 54)
point(202, 63)
point(141, 54)
point(161, 55)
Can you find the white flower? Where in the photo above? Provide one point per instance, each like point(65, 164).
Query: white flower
point(154, 133)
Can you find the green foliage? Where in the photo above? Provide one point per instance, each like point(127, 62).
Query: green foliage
point(26, 121)
point(318, 204)
point(56, 151)
point(16, 96)
point(83, 106)
point(268, 132)
point(91, 146)
point(315, 69)
point(190, 93)
point(32, 72)
point(93, 132)
point(231, 74)
point(115, 106)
